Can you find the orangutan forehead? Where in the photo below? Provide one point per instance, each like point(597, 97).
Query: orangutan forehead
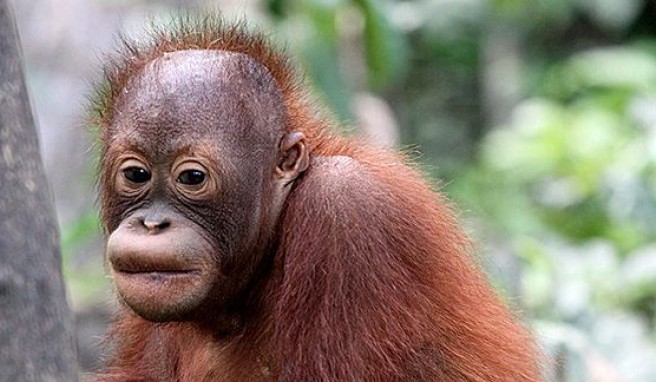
point(203, 84)
point(197, 71)
point(208, 92)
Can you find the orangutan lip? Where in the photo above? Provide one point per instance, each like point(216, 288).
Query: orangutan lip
point(159, 272)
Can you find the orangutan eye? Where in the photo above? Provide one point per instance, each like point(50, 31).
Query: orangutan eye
point(191, 177)
point(136, 174)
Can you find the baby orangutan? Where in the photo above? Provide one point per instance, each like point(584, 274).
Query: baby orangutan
point(248, 241)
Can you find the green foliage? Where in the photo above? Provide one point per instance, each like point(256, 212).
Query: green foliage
point(320, 52)
point(574, 154)
point(569, 181)
point(384, 47)
point(567, 187)
point(314, 29)
point(85, 278)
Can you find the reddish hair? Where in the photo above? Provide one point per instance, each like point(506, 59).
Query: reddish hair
point(372, 279)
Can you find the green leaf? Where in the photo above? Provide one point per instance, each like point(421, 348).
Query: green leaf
point(385, 50)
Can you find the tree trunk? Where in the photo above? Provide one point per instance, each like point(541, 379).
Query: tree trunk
point(36, 340)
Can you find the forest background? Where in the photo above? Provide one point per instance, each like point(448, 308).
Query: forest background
point(537, 118)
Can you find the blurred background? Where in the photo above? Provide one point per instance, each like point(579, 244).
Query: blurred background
point(536, 117)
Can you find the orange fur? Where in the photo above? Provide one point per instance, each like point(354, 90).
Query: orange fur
point(371, 280)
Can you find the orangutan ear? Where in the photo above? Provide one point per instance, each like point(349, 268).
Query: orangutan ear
point(294, 156)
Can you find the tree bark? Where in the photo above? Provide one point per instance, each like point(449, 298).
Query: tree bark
point(36, 331)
